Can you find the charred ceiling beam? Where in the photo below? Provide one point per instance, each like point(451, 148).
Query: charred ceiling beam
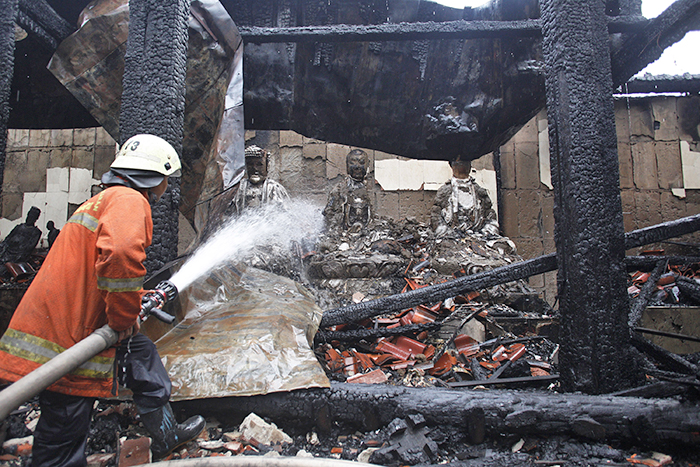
point(417, 31)
point(638, 50)
point(686, 84)
point(37, 17)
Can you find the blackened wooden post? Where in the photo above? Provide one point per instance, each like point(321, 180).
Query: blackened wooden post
point(153, 100)
point(8, 12)
point(589, 233)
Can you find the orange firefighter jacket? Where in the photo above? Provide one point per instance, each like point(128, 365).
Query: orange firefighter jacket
point(92, 276)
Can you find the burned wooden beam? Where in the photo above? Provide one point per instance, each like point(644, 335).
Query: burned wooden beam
point(155, 65)
point(645, 263)
point(652, 422)
point(482, 280)
point(359, 334)
point(394, 31)
point(439, 292)
point(45, 17)
point(673, 335)
point(663, 231)
point(668, 359)
point(504, 381)
point(689, 287)
point(656, 84)
point(638, 50)
point(42, 36)
point(639, 304)
point(461, 29)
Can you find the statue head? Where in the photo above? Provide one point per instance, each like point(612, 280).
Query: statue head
point(255, 164)
point(356, 163)
point(461, 168)
point(33, 215)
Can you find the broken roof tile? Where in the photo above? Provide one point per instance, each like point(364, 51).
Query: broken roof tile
point(376, 376)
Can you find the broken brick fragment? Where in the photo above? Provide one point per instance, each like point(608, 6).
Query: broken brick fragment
point(135, 452)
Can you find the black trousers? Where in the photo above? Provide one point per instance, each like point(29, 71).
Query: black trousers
point(61, 435)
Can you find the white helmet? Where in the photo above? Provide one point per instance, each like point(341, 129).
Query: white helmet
point(148, 152)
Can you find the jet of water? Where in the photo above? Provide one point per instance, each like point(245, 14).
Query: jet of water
point(278, 225)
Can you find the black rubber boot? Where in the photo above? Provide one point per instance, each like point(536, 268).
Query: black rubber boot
point(166, 433)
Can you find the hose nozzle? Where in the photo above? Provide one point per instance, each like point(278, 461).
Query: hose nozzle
point(152, 303)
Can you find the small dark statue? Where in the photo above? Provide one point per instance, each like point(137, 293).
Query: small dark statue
point(21, 241)
point(53, 233)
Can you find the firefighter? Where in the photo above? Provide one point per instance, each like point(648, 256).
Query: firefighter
point(92, 276)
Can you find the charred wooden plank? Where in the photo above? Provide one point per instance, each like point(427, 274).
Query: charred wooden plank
point(646, 263)
point(40, 18)
point(673, 335)
point(369, 407)
point(640, 303)
point(638, 50)
point(359, 334)
point(689, 287)
point(670, 360)
point(433, 30)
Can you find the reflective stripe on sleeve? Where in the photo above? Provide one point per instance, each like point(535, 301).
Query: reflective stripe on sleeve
point(129, 284)
point(38, 350)
point(84, 219)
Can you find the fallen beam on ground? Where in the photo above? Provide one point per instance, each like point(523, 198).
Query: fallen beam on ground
point(651, 422)
point(483, 280)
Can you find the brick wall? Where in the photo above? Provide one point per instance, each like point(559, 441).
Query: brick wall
point(657, 141)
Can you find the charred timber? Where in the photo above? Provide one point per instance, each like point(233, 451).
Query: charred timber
point(646, 263)
point(46, 18)
point(640, 302)
point(31, 26)
point(668, 359)
point(664, 83)
point(482, 280)
point(673, 335)
point(155, 65)
point(360, 334)
point(689, 287)
point(638, 50)
point(416, 31)
point(652, 422)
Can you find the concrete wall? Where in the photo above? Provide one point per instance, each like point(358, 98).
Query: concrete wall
point(657, 144)
point(53, 170)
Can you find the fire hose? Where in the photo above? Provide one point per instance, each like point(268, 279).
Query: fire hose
point(44, 376)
